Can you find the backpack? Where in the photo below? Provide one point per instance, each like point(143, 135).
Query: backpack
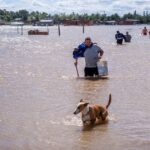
point(79, 52)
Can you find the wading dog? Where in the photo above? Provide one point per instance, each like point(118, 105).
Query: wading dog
point(92, 112)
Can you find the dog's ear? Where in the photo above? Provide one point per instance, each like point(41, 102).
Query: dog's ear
point(86, 104)
point(81, 100)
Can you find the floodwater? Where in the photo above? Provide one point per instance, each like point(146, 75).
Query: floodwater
point(39, 90)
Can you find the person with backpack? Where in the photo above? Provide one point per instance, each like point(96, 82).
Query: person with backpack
point(119, 38)
point(92, 53)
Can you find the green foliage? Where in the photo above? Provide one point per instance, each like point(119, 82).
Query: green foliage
point(26, 16)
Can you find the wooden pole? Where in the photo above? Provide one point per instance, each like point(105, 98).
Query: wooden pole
point(22, 30)
point(59, 33)
point(77, 70)
point(83, 28)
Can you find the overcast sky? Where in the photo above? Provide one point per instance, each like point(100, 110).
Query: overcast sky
point(78, 6)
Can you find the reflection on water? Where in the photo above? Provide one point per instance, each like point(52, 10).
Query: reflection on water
point(39, 90)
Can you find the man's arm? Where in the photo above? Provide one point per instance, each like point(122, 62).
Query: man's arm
point(101, 52)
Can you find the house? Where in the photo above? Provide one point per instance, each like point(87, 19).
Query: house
point(48, 22)
point(16, 23)
point(129, 22)
point(76, 22)
point(88, 22)
point(2, 22)
point(112, 22)
point(18, 19)
point(68, 22)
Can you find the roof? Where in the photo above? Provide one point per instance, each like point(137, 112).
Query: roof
point(18, 19)
point(111, 21)
point(46, 20)
point(17, 23)
point(134, 20)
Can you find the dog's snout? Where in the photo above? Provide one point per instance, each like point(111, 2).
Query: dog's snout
point(77, 111)
point(74, 113)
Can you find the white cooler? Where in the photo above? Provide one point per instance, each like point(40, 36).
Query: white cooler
point(102, 68)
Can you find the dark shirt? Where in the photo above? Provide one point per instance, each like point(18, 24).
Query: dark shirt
point(119, 36)
point(128, 38)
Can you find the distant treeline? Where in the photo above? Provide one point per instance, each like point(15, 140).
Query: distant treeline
point(27, 16)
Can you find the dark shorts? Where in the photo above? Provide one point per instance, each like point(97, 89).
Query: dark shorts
point(90, 71)
point(119, 41)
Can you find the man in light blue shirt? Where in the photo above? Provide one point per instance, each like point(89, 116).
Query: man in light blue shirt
point(92, 54)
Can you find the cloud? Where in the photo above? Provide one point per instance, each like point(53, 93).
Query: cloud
point(142, 2)
point(78, 6)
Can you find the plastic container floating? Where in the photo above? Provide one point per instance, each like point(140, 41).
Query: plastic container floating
point(102, 68)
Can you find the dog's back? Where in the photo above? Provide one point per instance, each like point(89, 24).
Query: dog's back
point(100, 110)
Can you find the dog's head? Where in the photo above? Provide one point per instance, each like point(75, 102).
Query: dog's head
point(81, 105)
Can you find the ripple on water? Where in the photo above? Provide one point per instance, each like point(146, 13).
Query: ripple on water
point(72, 121)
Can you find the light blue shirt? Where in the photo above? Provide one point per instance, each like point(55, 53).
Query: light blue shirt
point(91, 56)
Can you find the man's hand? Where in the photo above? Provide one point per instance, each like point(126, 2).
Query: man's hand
point(101, 54)
point(100, 57)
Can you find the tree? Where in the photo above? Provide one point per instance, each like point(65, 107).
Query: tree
point(23, 14)
point(115, 17)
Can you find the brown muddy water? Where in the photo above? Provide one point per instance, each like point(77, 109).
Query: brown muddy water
point(39, 90)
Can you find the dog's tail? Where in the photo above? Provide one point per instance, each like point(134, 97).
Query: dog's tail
point(109, 101)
